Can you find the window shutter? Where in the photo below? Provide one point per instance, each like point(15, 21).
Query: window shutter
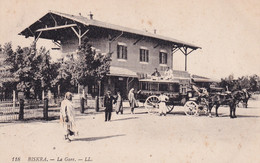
point(160, 57)
point(147, 55)
point(118, 51)
point(140, 55)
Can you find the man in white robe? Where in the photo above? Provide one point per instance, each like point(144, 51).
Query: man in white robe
point(162, 105)
point(67, 117)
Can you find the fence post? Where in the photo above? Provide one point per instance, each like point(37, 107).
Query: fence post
point(82, 105)
point(86, 102)
point(45, 109)
point(97, 103)
point(21, 109)
point(14, 99)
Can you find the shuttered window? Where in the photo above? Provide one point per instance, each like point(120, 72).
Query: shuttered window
point(163, 58)
point(144, 55)
point(121, 52)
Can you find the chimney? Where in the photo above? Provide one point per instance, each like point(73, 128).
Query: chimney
point(91, 15)
point(154, 31)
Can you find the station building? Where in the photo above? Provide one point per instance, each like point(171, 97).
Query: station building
point(134, 53)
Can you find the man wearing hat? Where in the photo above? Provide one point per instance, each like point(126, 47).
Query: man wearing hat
point(108, 103)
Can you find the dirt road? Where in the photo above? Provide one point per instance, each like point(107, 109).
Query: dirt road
point(140, 137)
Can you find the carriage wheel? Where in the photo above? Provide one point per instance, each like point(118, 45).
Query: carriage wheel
point(191, 108)
point(151, 103)
point(169, 108)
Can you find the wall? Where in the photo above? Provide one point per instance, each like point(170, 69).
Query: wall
point(132, 62)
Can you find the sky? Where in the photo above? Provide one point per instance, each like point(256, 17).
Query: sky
point(227, 30)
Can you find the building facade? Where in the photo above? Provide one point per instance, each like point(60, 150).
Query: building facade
point(135, 54)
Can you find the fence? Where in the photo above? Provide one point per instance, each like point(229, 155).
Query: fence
point(91, 102)
point(9, 110)
point(39, 109)
point(33, 109)
point(28, 109)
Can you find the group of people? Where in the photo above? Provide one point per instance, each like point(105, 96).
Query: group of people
point(67, 112)
point(109, 100)
point(168, 73)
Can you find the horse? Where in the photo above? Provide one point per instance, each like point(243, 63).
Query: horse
point(229, 98)
point(247, 96)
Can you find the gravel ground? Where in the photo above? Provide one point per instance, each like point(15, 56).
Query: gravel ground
point(139, 137)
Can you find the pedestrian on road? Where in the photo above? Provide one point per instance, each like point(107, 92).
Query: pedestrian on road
point(67, 117)
point(108, 103)
point(119, 103)
point(162, 105)
point(132, 100)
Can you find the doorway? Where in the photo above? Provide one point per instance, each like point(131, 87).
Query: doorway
point(120, 85)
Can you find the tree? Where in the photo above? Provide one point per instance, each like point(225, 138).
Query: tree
point(10, 56)
point(86, 67)
point(250, 83)
point(253, 82)
point(64, 78)
point(46, 72)
point(32, 69)
point(227, 82)
point(27, 68)
point(244, 82)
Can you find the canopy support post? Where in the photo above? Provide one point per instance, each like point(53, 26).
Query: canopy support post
point(186, 53)
point(112, 39)
point(36, 38)
point(174, 50)
point(78, 34)
point(55, 22)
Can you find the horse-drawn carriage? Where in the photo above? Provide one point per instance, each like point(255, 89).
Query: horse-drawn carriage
point(176, 90)
point(198, 101)
point(182, 92)
point(206, 99)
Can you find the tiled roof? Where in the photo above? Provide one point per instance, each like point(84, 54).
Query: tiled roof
point(96, 23)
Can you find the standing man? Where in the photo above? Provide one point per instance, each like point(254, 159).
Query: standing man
point(108, 103)
point(119, 103)
point(162, 105)
point(67, 117)
point(132, 100)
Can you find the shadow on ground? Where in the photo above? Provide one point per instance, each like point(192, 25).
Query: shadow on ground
point(97, 138)
point(145, 112)
point(242, 116)
point(249, 107)
point(40, 119)
point(122, 119)
point(177, 113)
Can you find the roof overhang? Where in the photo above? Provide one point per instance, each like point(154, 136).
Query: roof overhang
point(160, 80)
point(54, 24)
point(122, 72)
point(204, 80)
